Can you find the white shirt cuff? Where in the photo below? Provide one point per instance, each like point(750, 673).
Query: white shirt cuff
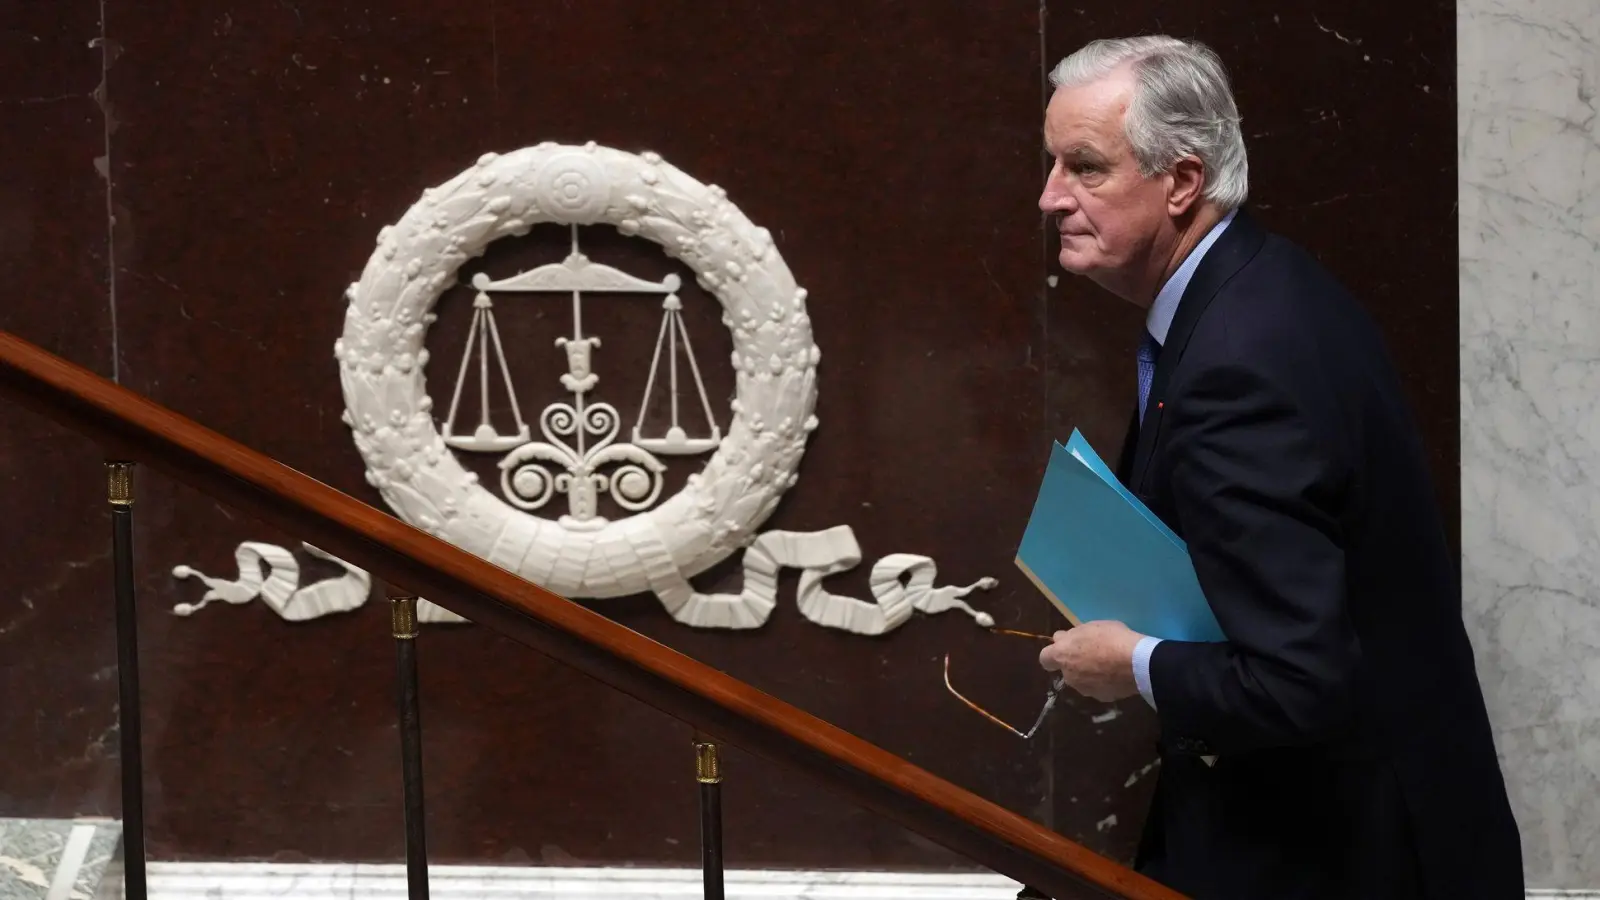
point(1141, 668)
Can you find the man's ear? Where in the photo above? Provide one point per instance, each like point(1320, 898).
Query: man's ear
point(1188, 180)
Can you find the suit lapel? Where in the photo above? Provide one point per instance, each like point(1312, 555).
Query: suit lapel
point(1130, 441)
point(1235, 247)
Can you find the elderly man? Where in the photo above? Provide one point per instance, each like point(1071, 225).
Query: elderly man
point(1336, 744)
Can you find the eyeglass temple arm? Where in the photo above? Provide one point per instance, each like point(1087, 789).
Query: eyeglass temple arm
point(1056, 686)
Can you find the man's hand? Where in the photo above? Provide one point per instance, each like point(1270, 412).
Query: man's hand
point(1096, 659)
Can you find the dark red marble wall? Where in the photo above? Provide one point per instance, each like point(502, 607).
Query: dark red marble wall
point(58, 688)
point(893, 151)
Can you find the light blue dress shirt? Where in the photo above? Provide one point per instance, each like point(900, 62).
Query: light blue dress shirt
point(1158, 322)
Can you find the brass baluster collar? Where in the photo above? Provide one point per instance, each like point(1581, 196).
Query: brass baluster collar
point(119, 483)
point(403, 617)
point(708, 769)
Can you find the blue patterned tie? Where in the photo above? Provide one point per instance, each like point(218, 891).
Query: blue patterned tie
point(1148, 351)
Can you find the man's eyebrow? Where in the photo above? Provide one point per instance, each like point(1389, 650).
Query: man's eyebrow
point(1083, 152)
point(1076, 151)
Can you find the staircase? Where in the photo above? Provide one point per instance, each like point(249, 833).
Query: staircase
point(132, 429)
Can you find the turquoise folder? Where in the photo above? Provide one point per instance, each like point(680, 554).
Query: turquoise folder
point(1097, 552)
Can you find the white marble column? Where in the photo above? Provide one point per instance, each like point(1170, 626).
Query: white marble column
point(1529, 133)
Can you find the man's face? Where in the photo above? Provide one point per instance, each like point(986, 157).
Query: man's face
point(1110, 217)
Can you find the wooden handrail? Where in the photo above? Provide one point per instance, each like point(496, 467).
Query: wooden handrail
point(130, 426)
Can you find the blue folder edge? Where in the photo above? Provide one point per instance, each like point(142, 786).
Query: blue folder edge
point(1157, 593)
point(1081, 451)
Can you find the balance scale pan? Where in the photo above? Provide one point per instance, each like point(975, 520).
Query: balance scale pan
point(492, 442)
point(678, 446)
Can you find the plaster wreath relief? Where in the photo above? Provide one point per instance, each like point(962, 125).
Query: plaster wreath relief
point(581, 451)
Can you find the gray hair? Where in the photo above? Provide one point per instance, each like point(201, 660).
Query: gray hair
point(1182, 106)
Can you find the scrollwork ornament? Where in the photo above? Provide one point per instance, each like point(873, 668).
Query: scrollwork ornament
point(383, 368)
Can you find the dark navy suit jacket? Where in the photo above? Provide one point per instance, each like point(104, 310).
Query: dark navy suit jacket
point(1352, 751)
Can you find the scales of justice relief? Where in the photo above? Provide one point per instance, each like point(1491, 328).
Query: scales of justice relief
point(575, 452)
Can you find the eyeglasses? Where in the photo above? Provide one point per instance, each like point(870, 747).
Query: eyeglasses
point(1056, 686)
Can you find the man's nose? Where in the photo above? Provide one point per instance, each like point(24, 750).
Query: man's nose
point(1055, 198)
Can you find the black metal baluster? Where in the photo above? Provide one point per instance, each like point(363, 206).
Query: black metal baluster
point(119, 491)
point(708, 771)
point(403, 622)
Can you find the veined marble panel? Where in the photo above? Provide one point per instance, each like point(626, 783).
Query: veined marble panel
point(1529, 130)
point(54, 859)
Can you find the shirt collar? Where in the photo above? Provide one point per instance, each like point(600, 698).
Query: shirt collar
point(1159, 320)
